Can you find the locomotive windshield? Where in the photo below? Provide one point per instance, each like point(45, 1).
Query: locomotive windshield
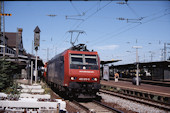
point(91, 59)
point(77, 61)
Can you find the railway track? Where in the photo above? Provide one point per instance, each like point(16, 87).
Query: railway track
point(151, 82)
point(96, 107)
point(91, 106)
point(138, 100)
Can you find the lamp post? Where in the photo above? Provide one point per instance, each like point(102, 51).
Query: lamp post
point(137, 64)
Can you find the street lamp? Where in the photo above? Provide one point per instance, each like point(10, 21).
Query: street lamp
point(137, 63)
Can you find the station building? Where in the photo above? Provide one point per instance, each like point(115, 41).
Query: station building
point(15, 52)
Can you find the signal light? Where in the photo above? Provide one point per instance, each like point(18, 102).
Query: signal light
point(6, 14)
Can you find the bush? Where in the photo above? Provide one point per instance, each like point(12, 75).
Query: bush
point(47, 90)
point(12, 90)
point(7, 70)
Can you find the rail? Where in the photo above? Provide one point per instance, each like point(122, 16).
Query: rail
point(143, 101)
point(96, 104)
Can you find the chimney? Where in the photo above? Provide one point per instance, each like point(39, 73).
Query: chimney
point(19, 40)
point(20, 30)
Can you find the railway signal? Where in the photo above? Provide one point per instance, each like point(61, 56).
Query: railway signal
point(37, 38)
point(36, 44)
point(5, 14)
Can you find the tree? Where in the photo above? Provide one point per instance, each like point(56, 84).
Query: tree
point(7, 70)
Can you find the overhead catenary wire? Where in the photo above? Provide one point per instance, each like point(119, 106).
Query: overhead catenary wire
point(103, 39)
point(133, 11)
point(89, 15)
point(78, 20)
point(123, 30)
point(92, 14)
point(75, 8)
point(110, 33)
point(91, 7)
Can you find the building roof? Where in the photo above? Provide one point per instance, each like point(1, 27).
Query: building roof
point(37, 30)
point(109, 61)
point(11, 38)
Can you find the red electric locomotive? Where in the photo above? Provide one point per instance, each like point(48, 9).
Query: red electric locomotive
point(76, 72)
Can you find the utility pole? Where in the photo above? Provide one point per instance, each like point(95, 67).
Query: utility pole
point(164, 51)
point(3, 31)
point(32, 47)
point(3, 14)
point(47, 54)
point(31, 71)
point(151, 55)
point(0, 28)
point(137, 64)
point(0, 19)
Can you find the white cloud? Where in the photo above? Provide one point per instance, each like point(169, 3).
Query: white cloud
point(107, 47)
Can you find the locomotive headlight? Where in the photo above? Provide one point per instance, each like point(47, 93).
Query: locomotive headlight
point(73, 78)
point(95, 79)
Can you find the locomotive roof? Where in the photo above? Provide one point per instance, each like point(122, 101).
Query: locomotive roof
point(79, 47)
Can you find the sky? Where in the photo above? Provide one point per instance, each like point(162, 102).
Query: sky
point(111, 28)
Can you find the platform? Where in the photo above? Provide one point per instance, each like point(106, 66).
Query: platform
point(152, 92)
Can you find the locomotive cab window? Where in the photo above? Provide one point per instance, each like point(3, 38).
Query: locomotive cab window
point(91, 59)
point(78, 61)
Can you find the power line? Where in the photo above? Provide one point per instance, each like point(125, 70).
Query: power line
point(89, 15)
point(91, 7)
point(134, 12)
point(131, 28)
point(75, 8)
point(93, 14)
point(110, 33)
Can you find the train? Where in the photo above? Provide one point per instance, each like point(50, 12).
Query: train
point(75, 72)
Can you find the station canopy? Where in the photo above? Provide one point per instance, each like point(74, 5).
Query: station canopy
point(108, 61)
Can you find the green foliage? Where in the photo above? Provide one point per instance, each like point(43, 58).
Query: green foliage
point(13, 89)
point(47, 90)
point(7, 70)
